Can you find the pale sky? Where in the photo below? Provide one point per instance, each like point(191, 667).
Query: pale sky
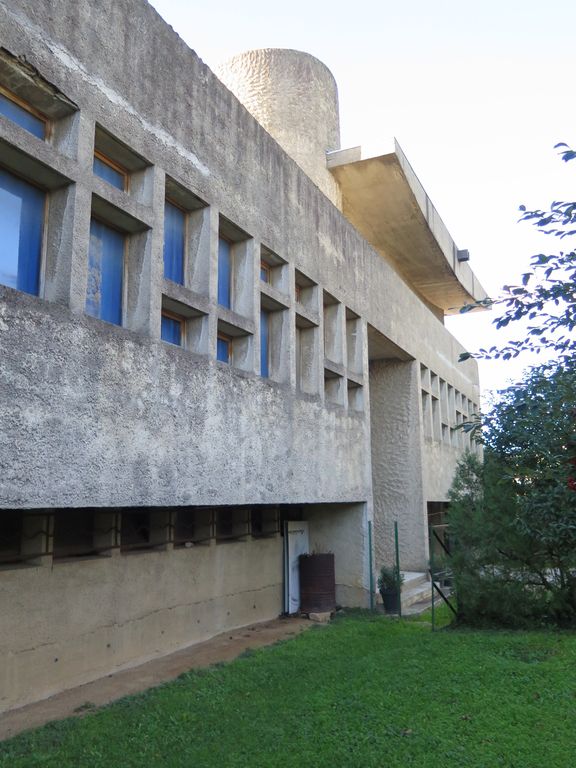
point(477, 94)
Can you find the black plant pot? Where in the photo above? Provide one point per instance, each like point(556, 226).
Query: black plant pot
point(391, 600)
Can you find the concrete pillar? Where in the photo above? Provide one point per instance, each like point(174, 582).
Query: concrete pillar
point(397, 464)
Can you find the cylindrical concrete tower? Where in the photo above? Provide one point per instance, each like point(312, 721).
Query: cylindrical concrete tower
point(295, 98)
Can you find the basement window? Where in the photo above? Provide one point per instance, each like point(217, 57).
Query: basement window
point(10, 536)
point(135, 530)
point(192, 527)
point(73, 533)
point(264, 521)
point(231, 523)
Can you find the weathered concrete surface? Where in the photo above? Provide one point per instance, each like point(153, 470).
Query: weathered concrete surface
point(384, 199)
point(295, 98)
point(72, 623)
point(397, 464)
point(84, 699)
point(95, 415)
point(343, 530)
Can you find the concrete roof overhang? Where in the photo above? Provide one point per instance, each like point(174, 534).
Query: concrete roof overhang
point(383, 198)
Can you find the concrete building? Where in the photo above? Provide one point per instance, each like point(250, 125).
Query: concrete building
point(212, 320)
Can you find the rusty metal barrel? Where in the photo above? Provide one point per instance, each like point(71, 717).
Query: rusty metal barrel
point(317, 583)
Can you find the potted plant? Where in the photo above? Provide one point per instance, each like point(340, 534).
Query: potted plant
point(389, 586)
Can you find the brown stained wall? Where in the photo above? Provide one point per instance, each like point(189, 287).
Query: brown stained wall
point(80, 620)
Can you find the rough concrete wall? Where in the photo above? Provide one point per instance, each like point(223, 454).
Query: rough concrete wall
point(439, 466)
point(75, 622)
point(397, 464)
point(295, 98)
point(99, 415)
point(176, 113)
point(343, 530)
point(93, 415)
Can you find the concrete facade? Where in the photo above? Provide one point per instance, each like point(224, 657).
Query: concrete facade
point(353, 425)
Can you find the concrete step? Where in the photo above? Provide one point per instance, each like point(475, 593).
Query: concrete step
point(415, 589)
point(417, 593)
point(414, 578)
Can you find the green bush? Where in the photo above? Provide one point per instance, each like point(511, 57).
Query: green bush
point(513, 517)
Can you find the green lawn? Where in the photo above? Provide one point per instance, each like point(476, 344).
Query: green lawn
point(364, 691)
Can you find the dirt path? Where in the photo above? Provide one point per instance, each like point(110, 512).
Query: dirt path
point(75, 701)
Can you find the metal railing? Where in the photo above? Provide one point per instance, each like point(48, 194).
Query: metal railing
point(440, 577)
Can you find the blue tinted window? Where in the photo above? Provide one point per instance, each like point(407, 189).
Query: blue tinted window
point(224, 273)
point(174, 238)
point(109, 174)
point(171, 330)
point(264, 343)
point(22, 117)
point(264, 272)
point(223, 350)
point(105, 273)
point(21, 224)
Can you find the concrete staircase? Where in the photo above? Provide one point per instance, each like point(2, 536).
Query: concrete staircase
point(416, 593)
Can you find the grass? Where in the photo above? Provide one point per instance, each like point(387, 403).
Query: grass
point(365, 691)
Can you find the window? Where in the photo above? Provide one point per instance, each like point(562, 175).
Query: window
point(231, 522)
point(174, 242)
point(172, 329)
point(264, 521)
point(264, 272)
point(10, 536)
point(274, 270)
point(333, 387)
point(305, 291)
point(264, 343)
point(135, 530)
point(224, 348)
point(21, 227)
point(73, 533)
point(224, 273)
point(192, 526)
point(109, 171)
point(22, 114)
point(355, 396)
point(105, 273)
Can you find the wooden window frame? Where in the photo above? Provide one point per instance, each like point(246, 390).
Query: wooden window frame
point(267, 269)
point(43, 245)
point(182, 321)
point(32, 110)
point(228, 339)
point(116, 167)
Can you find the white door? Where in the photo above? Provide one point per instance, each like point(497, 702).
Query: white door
point(296, 543)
